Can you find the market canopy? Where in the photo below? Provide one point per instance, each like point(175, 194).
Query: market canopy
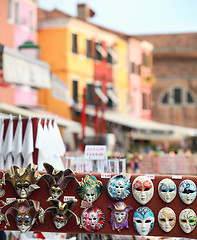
point(21, 69)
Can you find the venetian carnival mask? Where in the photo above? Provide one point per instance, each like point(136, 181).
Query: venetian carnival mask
point(61, 212)
point(167, 190)
point(187, 191)
point(25, 213)
point(90, 188)
point(143, 220)
point(187, 220)
point(92, 219)
point(24, 180)
point(118, 187)
point(166, 219)
point(119, 216)
point(57, 180)
point(142, 189)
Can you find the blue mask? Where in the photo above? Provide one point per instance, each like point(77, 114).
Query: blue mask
point(143, 220)
point(187, 191)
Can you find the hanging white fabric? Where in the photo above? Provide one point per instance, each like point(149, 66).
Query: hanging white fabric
point(8, 145)
point(28, 144)
point(18, 143)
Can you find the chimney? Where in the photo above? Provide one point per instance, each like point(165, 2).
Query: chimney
point(84, 12)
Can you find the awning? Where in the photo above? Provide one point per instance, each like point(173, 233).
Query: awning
point(73, 126)
point(60, 90)
point(112, 96)
point(154, 128)
point(101, 51)
point(20, 69)
point(112, 53)
point(101, 95)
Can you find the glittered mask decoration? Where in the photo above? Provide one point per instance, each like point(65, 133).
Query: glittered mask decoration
point(166, 219)
point(25, 213)
point(143, 220)
point(118, 187)
point(187, 191)
point(119, 216)
point(187, 220)
point(142, 189)
point(57, 180)
point(90, 188)
point(24, 180)
point(92, 219)
point(167, 190)
point(61, 212)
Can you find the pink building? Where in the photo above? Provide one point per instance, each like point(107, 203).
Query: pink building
point(140, 54)
point(18, 22)
point(19, 73)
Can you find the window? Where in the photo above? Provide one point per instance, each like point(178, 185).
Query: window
point(144, 101)
point(147, 60)
point(90, 94)
point(10, 9)
point(74, 43)
point(31, 21)
point(75, 91)
point(109, 54)
point(99, 50)
point(88, 48)
point(17, 13)
point(135, 68)
point(110, 103)
point(177, 96)
point(189, 97)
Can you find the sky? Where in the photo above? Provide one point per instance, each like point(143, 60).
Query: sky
point(135, 16)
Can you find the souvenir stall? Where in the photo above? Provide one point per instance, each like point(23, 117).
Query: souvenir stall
point(66, 201)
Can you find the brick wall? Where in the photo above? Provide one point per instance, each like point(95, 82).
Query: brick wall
point(174, 64)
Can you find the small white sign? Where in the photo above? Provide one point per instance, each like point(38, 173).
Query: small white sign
point(151, 176)
point(9, 200)
point(68, 198)
point(105, 175)
point(95, 152)
point(176, 177)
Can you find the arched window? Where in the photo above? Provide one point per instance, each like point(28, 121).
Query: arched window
point(178, 96)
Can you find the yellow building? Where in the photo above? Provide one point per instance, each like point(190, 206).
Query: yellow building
point(121, 74)
point(63, 44)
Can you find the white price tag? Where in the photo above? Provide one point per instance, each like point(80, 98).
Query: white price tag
point(151, 176)
point(9, 200)
point(105, 175)
point(176, 177)
point(68, 198)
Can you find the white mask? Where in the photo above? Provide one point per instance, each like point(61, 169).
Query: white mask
point(143, 220)
point(187, 220)
point(187, 191)
point(167, 190)
point(142, 189)
point(119, 216)
point(90, 195)
point(59, 221)
point(166, 219)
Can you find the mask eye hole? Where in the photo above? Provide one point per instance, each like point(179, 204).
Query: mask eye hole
point(183, 220)
point(146, 189)
point(162, 219)
point(171, 190)
point(138, 221)
point(147, 221)
point(171, 219)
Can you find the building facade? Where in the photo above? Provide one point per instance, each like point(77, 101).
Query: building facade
point(175, 67)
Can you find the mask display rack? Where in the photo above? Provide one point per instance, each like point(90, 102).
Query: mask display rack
point(104, 204)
